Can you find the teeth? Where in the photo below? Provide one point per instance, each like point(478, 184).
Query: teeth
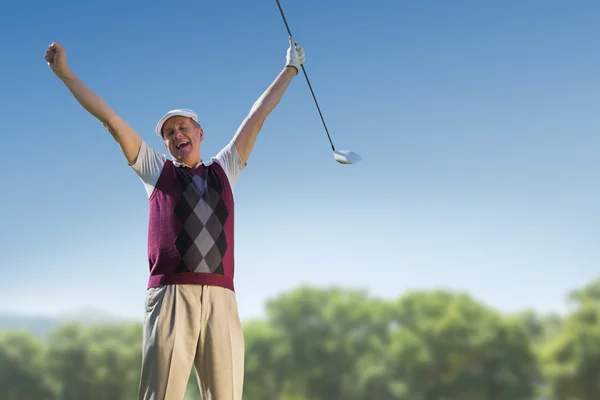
point(181, 144)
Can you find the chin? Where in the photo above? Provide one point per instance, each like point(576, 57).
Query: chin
point(184, 158)
point(180, 155)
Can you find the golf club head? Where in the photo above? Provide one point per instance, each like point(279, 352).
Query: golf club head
point(346, 156)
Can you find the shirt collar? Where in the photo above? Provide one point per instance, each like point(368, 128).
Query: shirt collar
point(183, 165)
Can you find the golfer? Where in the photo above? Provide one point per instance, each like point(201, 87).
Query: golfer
point(191, 315)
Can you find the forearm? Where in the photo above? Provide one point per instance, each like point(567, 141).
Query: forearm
point(245, 137)
point(125, 135)
point(267, 102)
point(88, 99)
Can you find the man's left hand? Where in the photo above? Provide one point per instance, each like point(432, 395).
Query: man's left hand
point(295, 55)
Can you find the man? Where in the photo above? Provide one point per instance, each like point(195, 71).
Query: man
point(191, 316)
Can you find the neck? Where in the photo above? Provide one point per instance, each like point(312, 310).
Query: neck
point(190, 162)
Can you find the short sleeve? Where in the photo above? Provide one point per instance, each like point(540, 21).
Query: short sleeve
point(148, 166)
point(229, 159)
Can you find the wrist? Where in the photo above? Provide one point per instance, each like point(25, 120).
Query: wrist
point(66, 75)
point(293, 69)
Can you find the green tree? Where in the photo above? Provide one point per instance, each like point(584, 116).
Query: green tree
point(572, 359)
point(541, 328)
point(68, 362)
point(97, 362)
point(22, 371)
point(115, 353)
point(331, 336)
point(265, 361)
point(449, 346)
point(343, 344)
point(589, 294)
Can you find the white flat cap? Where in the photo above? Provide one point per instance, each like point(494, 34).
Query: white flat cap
point(180, 112)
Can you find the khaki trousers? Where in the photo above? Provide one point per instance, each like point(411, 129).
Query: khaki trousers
point(192, 325)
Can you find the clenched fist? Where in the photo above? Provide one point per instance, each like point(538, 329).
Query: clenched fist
point(295, 55)
point(56, 57)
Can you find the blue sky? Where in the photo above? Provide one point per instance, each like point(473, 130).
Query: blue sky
point(478, 124)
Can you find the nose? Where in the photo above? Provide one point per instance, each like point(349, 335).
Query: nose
point(177, 133)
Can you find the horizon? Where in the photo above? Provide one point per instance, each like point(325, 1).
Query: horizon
point(85, 312)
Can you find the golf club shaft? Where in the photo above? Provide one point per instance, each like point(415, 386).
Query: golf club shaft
point(307, 80)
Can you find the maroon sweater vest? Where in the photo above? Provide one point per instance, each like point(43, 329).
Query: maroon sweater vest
point(191, 230)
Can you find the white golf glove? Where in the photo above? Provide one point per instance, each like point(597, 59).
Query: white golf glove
point(295, 55)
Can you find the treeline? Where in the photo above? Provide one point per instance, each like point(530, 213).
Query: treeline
point(329, 344)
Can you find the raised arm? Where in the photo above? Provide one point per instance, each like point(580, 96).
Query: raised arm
point(127, 138)
point(246, 135)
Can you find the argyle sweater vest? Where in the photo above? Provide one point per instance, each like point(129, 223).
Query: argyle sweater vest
point(190, 233)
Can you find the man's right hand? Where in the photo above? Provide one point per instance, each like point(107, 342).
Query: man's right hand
point(56, 57)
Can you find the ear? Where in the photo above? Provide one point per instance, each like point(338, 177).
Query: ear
point(201, 133)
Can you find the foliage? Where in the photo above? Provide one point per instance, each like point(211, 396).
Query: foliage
point(572, 359)
point(333, 343)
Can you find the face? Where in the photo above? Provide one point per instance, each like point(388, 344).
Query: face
point(182, 137)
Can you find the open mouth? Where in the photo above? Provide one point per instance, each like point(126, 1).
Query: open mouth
point(182, 145)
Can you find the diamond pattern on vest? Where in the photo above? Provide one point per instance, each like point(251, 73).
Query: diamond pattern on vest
point(201, 242)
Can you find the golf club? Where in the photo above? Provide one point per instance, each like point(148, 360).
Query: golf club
point(341, 156)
